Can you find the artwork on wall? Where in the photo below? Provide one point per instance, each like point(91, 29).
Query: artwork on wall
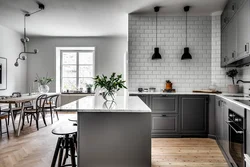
point(3, 73)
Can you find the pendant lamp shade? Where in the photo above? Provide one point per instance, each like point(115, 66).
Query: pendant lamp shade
point(156, 54)
point(186, 55)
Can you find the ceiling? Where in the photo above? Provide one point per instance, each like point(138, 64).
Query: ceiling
point(92, 17)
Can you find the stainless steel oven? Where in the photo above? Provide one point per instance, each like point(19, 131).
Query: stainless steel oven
point(236, 137)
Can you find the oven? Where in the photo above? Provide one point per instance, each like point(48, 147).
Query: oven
point(236, 137)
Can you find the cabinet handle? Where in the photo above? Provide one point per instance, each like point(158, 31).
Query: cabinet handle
point(233, 55)
point(233, 7)
point(247, 47)
point(163, 95)
point(164, 115)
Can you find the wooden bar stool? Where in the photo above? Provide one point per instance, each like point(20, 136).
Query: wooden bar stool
point(5, 117)
point(65, 143)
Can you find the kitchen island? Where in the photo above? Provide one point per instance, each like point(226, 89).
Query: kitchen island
point(112, 134)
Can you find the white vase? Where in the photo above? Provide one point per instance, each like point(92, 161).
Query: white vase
point(43, 89)
point(233, 89)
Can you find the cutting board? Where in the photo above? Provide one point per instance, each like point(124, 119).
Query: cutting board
point(207, 91)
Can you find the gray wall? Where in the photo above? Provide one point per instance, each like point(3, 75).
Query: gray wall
point(10, 47)
point(109, 55)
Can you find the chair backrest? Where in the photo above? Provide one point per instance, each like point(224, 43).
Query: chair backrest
point(53, 100)
point(40, 101)
point(17, 94)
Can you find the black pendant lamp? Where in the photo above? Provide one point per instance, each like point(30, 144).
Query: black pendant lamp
point(186, 55)
point(156, 54)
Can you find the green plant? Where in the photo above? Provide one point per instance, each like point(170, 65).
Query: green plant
point(43, 80)
point(232, 73)
point(168, 81)
point(112, 84)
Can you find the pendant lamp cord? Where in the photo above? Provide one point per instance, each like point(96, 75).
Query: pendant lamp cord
point(186, 29)
point(156, 27)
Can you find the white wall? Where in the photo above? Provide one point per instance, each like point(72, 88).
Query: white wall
point(10, 47)
point(109, 55)
point(186, 75)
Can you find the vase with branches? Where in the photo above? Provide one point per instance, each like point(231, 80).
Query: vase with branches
point(233, 88)
point(111, 85)
point(43, 83)
point(232, 74)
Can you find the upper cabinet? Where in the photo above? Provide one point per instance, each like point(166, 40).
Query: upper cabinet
point(235, 35)
point(243, 18)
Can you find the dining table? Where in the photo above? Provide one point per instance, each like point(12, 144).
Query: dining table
point(21, 100)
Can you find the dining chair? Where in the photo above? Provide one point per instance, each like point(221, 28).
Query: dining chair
point(36, 111)
point(16, 108)
point(50, 105)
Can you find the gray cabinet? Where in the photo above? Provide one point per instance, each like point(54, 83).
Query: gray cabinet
point(163, 124)
point(231, 43)
point(235, 37)
point(218, 120)
point(243, 17)
point(193, 114)
point(164, 104)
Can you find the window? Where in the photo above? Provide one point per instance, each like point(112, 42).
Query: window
point(77, 69)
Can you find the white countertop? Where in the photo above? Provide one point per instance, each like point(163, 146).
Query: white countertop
point(225, 96)
point(98, 104)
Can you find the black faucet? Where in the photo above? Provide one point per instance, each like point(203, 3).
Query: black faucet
point(242, 81)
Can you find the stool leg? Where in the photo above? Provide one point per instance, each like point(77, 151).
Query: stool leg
point(72, 152)
point(56, 152)
point(67, 149)
point(60, 156)
point(7, 128)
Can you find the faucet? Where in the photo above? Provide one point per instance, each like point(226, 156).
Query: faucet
point(242, 81)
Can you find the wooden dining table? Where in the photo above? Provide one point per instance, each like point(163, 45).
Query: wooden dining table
point(21, 100)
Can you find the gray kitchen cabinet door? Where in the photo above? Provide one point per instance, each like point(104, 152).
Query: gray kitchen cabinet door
point(224, 40)
point(225, 130)
point(164, 104)
point(193, 114)
point(243, 21)
point(162, 124)
point(218, 120)
point(224, 18)
point(231, 43)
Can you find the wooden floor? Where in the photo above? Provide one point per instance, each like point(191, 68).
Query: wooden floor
point(35, 149)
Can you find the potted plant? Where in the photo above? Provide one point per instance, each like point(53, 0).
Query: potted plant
point(110, 85)
point(89, 88)
point(233, 88)
point(168, 85)
point(43, 83)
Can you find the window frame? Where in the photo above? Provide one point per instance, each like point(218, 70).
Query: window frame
point(77, 65)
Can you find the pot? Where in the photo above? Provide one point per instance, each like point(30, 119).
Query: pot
point(233, 89)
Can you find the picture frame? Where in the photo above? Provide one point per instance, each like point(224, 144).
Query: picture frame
point(3, 73)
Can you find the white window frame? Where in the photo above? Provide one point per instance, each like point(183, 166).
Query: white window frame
point(77, 50)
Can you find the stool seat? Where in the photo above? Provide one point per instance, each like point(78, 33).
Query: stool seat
point(64, 130)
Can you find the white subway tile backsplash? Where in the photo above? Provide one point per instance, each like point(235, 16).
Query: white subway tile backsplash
point(203, 41)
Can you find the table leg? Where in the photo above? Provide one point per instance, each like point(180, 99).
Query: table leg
point(20, 120)
point(12, 117)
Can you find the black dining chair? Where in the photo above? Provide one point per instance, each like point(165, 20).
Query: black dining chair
point(50, 105)
point(16, 108)
point(36, 111)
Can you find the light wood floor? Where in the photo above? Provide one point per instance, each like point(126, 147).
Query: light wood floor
point(35, 149)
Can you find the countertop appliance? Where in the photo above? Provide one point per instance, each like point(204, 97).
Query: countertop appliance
point(237, 143)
